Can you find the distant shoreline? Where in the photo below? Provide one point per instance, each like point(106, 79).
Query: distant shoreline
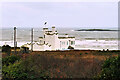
point(95, 30)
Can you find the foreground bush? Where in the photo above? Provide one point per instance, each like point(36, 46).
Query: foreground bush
point(10, 60)
point(14, 68)
point(110, 69)
point(13, 72)
point(6, 49)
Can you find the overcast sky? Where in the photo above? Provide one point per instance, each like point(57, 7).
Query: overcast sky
point(60, 14)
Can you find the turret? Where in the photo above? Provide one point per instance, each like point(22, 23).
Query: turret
point(45, 29)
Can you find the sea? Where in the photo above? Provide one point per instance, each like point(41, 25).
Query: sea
point(84, 40)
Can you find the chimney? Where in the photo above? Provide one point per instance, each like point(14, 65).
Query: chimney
point(53, 29)
point(66, 35)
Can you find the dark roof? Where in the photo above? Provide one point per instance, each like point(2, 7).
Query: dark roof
point(53, 27)
point(16, 47)
point(71, 37)
point(51, 34)
point(45, 28)
point(39, 44)
point(65, 37)
point(40, 37)
point(48, 31)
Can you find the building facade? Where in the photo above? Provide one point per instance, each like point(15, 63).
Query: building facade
point(52, 41)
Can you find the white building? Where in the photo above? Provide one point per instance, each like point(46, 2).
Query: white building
point(52, 41)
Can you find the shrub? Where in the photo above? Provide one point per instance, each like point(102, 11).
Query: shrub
point(86, 53)
point(33, 64)
point(13, 72)
point(6, 49)
point(21, 69)
point(24, 49)
point(80, 53)
point(70, 47)
point(9, 60)
point(110, 69)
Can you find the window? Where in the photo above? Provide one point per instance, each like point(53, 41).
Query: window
point(44, 36)
point(67, 42)
point(63, 43)
point(40, 41)
point(72, 42)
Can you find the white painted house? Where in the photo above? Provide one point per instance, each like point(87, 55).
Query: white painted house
point(52, 41)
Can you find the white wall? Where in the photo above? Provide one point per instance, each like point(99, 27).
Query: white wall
point(37, 47)
point(46, 47)
point(65, 43)
point(41, 41)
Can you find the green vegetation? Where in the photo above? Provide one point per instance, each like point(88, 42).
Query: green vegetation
point(110, 69)
point(61, 64)
point(6, 49)
point(86, 53)
point(11, 68)
point(14, 68)
point(24, 49)
point(70, 47)
point(0, 66)
point(10, 60)
point(80, 53)
point(13, 72)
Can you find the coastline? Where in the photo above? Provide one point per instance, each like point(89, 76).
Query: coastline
point(96, 30)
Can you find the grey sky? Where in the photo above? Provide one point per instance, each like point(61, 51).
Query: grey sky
point(60, 14)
